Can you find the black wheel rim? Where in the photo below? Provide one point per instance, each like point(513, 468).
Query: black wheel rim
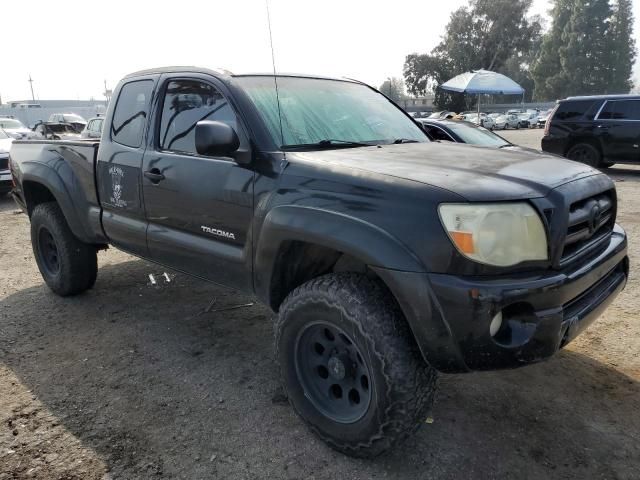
point(582, 154)
point(333, 373)
point(48, 251)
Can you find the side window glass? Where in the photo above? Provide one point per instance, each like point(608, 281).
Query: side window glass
point(621, 110)
point(91, 126)
point(438, 134)
point(572, 110)
point(131, 112)
point(187, 102)
point(627, 110)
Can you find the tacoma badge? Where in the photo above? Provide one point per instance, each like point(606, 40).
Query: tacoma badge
point(219, 233)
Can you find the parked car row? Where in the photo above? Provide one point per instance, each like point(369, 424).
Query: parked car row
point(60, 126)
point(515, 119)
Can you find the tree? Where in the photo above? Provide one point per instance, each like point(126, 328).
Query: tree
point(622, 48)
point(393, 88)
point(486, 34)
point(588, 50)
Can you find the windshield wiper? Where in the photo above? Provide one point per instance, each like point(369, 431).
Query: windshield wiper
point(327, 143)
point(404, 140)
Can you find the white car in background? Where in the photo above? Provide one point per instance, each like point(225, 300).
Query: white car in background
point(14, 128)
point(484, 121)
point(510, 120)
point(499, 121)
point(543, 117)
point(528, 119)
point(5, 175)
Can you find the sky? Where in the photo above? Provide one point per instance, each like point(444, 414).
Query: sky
point(70, 52)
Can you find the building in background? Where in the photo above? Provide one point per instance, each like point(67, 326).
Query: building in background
point(417, 104)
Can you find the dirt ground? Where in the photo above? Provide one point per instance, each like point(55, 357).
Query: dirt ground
point(132, 380)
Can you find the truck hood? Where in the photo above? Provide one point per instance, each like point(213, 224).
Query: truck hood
point(476, 173)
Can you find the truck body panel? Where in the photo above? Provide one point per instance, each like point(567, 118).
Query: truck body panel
point(264, 220)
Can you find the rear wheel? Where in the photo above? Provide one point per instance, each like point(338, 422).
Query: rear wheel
point(67, 265)
point(585, 153)
point(349, 364)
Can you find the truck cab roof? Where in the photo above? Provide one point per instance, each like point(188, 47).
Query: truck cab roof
point(223, 73)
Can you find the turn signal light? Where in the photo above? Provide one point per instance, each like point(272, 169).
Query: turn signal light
point(464, 241)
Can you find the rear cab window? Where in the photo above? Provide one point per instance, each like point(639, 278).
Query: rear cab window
point(131, 113)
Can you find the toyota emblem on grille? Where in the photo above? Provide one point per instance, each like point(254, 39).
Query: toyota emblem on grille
point(594, 218)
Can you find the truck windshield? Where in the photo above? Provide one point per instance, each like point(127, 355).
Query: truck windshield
point(320, 113)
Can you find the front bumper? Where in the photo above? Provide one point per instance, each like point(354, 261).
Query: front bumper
point(552, 144)
point(450, 315)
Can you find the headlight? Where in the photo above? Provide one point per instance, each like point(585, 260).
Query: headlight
point(500, 234)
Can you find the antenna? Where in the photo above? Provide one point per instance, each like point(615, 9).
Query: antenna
point(275, 78)
point(33, 98)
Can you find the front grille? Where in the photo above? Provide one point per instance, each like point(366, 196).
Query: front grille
point(4, 163)
point(590, 223)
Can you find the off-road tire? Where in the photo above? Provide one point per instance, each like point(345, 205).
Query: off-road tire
point(585, 153)
point(403, 385)
point(77, 261)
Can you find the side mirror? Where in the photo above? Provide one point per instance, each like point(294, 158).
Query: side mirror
point(216, 138)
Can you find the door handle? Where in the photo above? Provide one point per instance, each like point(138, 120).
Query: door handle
point(154, 175)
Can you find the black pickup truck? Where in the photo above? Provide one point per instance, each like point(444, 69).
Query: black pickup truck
point(386, 257)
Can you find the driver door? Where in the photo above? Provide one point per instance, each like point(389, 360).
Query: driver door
point(199, 208)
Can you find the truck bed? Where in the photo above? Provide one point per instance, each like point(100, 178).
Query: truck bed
point(68, 165)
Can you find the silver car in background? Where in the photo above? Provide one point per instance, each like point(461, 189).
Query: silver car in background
point(14, 128)
point(5, 175)
point(93, 128)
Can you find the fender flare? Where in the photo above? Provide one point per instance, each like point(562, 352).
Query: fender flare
point(398, 267)
point(334, 230)
point(51, 179)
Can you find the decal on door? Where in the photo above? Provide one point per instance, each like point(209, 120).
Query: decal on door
point(117, 175)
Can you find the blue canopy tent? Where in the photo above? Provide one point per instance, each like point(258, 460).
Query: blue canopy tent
point(482, 81)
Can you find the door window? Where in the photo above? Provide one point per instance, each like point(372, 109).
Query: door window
point(130, 115)
point(186, 102)
point(572, 110)
point(437, 134)
point(621, 110)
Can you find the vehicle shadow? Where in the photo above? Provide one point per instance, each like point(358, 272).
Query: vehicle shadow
point(7, 203)
point(623, 172)
point(163, 381)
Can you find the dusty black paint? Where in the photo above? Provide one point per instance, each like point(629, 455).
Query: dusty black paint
point(274, 221)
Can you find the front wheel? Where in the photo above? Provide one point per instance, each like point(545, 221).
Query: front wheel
point(68, 266)
point(349, 364)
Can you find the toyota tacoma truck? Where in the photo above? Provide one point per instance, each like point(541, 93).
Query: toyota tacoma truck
point(387, 258)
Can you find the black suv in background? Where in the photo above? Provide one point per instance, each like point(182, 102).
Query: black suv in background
point(599, 130)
